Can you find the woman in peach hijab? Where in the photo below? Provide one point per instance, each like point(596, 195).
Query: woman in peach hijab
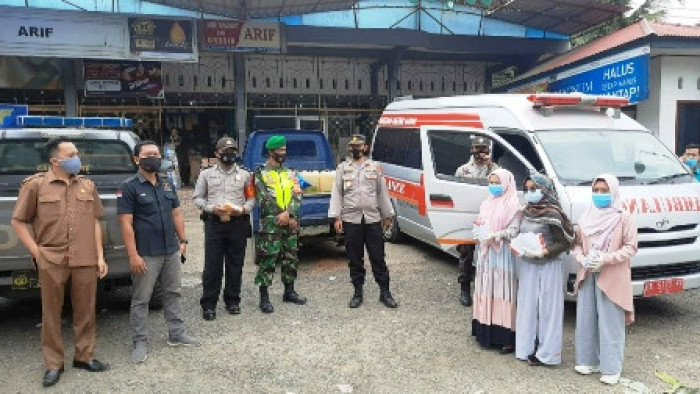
point(496, 283)
point(606, 241)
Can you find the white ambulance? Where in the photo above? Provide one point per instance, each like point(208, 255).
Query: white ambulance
point(571, 138)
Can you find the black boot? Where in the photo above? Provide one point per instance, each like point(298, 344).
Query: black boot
point(385, 296)
point(357, 297)
point(265, 305)
point(466, 296)
point(291, 296)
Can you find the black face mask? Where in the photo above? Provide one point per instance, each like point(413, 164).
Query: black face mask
point(480, 155)
point(279, 158)
point(228, 158)
point(150, 164)
point(356, 153)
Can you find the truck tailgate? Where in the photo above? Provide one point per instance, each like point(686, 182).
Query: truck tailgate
point(314, 209)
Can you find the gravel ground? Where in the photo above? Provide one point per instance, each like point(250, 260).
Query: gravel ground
point(324, 347)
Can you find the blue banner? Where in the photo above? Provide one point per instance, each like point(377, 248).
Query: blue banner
point(625, 78)
point(9, 114)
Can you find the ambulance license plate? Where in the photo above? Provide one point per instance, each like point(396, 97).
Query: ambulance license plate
point(663, 286)
point(25, 280)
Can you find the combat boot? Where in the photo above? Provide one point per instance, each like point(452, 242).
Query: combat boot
point(466, 296)
point(291, 296)
point(385, 296)
point(356, 299)
point(265, 304)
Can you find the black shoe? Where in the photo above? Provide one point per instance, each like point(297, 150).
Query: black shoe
point(51, 377)
point(293, 297)
point(208, 314)
point(386, 299)
point(266, 307)
point(233, 309)
point(533, 361)
point(265, 304)
point(506, 349)
point(355, 301)
point(466, 298)
point(93, 365)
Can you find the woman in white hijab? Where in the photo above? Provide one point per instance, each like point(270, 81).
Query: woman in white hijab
point(606, 241)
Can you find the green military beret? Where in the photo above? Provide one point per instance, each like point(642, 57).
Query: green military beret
point(275, 142)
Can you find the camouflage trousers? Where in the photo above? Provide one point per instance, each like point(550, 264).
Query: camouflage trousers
point(273, 249)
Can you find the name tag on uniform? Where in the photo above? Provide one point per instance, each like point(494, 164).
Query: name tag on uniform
point(238, 177)
point(371, 174)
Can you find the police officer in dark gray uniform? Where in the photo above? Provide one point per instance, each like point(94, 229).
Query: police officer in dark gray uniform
point(360, 205)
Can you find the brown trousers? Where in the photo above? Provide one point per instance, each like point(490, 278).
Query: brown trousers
point(53, 279)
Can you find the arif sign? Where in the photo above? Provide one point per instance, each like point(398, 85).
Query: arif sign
point(35, 31)
point(241, 36)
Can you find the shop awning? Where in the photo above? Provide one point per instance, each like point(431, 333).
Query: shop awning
point(248, 9)
point(562, 16)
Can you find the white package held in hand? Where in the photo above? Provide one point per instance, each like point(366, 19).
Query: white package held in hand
point(533, 242)
point(480, 231)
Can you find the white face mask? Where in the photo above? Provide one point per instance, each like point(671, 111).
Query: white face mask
point(534, 196)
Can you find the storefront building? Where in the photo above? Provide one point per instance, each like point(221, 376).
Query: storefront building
point(329, 66)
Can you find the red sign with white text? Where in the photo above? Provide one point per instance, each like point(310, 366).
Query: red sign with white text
point(241, 36)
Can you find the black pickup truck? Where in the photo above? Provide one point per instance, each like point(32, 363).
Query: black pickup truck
point(106, 155)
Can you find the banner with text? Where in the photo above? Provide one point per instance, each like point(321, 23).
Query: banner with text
point(241, 36)
point(162, 39)
point(123, 79)
point(627, 77)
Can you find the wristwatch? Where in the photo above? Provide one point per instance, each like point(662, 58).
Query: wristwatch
point(184, 241)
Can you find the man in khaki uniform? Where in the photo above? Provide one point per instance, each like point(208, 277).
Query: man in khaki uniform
point(64, 210)
point(361, 206)
point(226, 195)
point(478, 167)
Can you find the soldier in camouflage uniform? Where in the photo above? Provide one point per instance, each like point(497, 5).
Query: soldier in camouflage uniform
point(279, 196)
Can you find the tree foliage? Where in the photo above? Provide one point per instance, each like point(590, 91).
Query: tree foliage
point(652, 10)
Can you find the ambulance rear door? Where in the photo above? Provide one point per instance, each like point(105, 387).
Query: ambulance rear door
point(452, 203)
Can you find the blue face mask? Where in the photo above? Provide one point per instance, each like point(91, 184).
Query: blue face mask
point(602, 200)
point(692, 163)
point(71, 165)
point(534, 196)
point(496, 190)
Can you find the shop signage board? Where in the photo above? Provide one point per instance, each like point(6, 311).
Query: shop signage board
point(241, 36)
point(62, 34)
point(123, 79)
point(162, 39)
point(624, 75)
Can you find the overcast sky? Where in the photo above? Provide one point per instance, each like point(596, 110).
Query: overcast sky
point(682, 12)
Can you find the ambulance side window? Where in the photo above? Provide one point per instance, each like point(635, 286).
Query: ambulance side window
point(451, 150)
point(505, 159)
point(398, 146)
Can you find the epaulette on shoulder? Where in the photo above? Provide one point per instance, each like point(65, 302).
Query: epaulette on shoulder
point(32, 177)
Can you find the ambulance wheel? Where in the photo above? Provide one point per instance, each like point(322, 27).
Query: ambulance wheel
point(393, 234)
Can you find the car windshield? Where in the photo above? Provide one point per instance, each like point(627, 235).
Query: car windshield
point(26, 157)
point(635, 157)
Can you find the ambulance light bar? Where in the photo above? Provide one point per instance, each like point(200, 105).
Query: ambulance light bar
point(551, 99)
point(60, 121)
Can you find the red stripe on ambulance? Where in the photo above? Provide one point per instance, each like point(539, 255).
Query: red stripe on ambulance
point(412, 193)
point(409, 120)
